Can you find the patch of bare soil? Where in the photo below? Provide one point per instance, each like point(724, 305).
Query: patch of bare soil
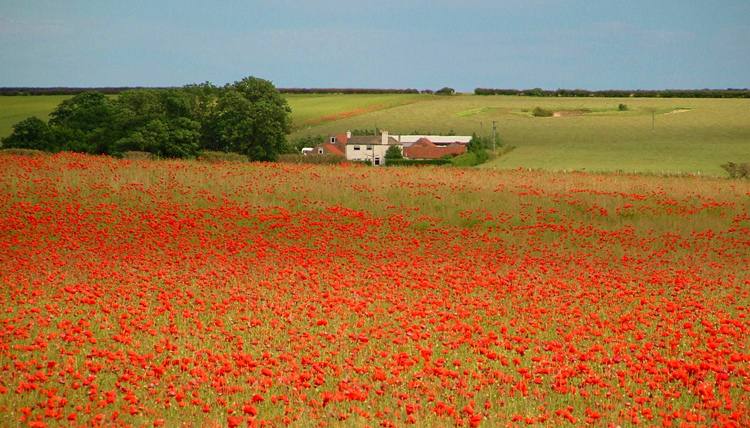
point(677, 111)
point(561, 113)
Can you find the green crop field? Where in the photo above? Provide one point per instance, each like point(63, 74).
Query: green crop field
point(670, 135)
point(16, 109)
point(315, 106)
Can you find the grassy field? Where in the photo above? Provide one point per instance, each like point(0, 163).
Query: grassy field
point(193, 294)
point(313, 107)
point(16, 109)
point(653, 135)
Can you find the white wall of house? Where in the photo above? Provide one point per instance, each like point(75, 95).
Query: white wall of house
point(373, 153)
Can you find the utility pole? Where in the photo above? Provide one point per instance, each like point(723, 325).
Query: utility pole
point(481, 131)
point(652, 110)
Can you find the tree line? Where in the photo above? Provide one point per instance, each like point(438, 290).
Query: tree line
point(538, 92)
point(17, 92)
point(346, 91)
point(613, 93)
point(249, 117)
point(8, 91)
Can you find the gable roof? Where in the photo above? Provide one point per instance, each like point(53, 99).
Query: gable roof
point(329, 148)
point(423, 142)
point(427, 152)
point(340, 142)
point(340, 137)
point(372, 140)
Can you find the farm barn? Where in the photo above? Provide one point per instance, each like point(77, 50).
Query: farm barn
point(372, 148)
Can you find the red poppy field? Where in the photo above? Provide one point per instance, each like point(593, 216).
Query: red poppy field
point(189, 294)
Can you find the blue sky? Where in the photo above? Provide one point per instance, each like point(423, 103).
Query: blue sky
point(420, 44)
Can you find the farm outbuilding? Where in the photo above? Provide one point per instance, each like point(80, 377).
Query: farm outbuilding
point(426, 149)
point(372, 148)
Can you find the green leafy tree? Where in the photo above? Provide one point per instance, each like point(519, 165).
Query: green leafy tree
point(536, 92)
point(394, 152)
point(159, 122)
point(92, 118)
point(175, 139)
point(478, 146)
point(203, 98)
point(299, 143)
point(31, 133)
point(232, 120)
point(250, 117)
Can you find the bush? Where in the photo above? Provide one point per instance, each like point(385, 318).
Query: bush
point(318, 159)
point(31, 133)
point(737, 170)
point(210, 156)
point(134, 155)
point(466, 159)
point(540, 112)
point(393, 152)
point(622, 107)
point(417, 162)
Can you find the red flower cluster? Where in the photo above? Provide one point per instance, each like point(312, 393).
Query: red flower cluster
point(191, 294)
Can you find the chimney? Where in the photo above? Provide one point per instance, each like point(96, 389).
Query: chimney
point(348, 134)
point(384, 139)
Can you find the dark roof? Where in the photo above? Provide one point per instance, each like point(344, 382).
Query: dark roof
point(372, 140)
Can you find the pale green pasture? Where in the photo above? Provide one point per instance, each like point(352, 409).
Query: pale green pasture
point(16, 109)
point(312, 106)
point(699, 140)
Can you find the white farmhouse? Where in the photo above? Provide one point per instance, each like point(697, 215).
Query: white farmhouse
point(370, 148)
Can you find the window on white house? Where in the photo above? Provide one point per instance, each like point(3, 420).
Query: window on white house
point(320, 151)
point(356, 147)
point(333, 139)
point(369, 147)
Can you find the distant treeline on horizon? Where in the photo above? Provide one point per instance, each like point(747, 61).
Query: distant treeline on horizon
point(536, 92)
point(616, 93)
point(67, 91)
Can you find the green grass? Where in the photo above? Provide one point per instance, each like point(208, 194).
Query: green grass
point(16, 109)
point(309, 107)
point(697, 141)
